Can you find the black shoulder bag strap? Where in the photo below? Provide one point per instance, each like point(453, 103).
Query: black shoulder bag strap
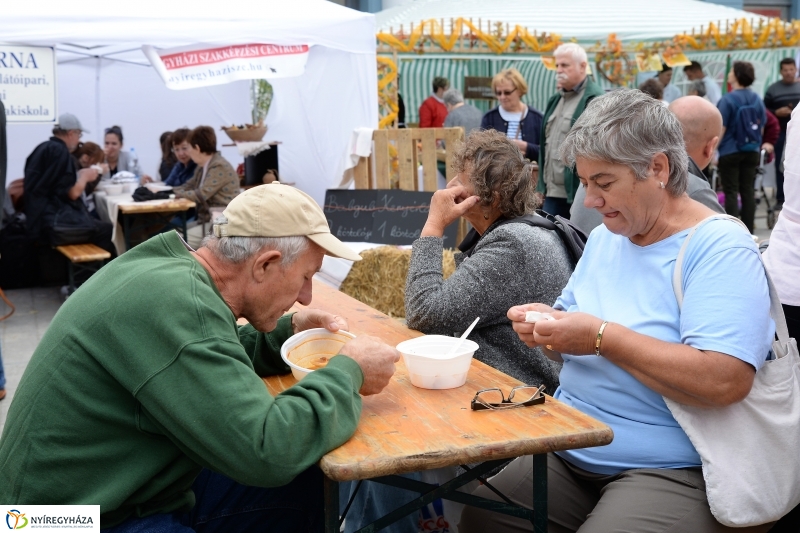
point(572, 237)
point(469, 243)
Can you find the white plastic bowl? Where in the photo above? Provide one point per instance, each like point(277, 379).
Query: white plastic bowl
point(426, 363)
point(310, 344)
point(113, 189)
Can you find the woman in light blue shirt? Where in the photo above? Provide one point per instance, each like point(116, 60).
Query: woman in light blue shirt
point(626, 344)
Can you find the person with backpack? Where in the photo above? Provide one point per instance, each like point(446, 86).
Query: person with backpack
point(743, 118)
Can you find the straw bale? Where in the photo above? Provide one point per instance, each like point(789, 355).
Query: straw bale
point(379, 279)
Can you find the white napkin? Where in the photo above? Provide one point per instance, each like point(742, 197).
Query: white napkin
point(251, 148)
point(360, 146)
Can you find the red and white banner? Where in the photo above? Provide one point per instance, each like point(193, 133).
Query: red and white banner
point(200, 65)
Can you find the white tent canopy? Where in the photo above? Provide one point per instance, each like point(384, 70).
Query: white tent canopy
point(105, 79)
point(584, 20)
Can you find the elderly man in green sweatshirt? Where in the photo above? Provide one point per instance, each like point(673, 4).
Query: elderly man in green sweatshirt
point(575, 91)
point(145, 397)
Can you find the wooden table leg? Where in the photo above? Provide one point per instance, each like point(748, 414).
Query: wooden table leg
point(126, 230)
point(540, 493)
point(186, 237)
point(331, 490)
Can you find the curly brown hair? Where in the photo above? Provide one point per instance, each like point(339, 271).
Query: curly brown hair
point(497, 169)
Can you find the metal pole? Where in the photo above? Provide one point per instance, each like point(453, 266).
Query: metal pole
point(540, 493)
point(331, 490)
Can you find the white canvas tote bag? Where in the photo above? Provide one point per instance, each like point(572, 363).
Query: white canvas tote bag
point(750, 450)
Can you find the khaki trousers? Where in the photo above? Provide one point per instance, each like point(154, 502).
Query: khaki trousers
point(647, 500)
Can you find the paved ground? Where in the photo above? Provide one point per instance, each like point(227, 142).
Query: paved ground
point(20, 334)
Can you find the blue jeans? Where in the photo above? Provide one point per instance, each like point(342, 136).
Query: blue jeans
point(556, 206)
point(374, 500)
point(223, 506)
point(2, 374)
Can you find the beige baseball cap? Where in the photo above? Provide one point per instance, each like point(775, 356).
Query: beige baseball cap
point(277, 210)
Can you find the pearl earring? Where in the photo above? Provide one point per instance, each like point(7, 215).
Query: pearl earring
point(662, 184)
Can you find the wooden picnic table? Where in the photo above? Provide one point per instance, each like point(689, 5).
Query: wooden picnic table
point(179, 206)
point(156, 206)
point(405, 429)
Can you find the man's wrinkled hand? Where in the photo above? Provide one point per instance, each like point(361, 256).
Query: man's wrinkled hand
point(376, 359)
point(315, 318)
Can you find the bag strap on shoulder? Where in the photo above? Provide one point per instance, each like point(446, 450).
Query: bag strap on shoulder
point(775, 309)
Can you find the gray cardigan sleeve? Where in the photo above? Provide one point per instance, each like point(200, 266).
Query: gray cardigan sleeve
point(481, 286)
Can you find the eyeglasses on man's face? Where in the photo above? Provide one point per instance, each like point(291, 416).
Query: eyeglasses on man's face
point(504, 93)
point(521, 396)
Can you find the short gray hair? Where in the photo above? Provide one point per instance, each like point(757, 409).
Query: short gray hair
point(452, 96)
point(239, 249)
point(628, 127)
point(699, 87)
point(574, 49)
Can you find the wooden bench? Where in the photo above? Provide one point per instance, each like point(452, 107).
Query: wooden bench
point(78, 255)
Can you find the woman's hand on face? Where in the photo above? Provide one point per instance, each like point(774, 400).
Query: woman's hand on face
point(447, 205)
point(572, 333)
point(525, 329)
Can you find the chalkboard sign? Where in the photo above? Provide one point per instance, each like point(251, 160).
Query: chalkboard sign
point(383, 216)
point(478, 88)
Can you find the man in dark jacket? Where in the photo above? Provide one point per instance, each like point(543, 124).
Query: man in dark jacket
point(575, 91)
point(53, 188)
point(781, 97)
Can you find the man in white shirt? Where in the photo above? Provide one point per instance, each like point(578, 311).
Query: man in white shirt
point(695, 72)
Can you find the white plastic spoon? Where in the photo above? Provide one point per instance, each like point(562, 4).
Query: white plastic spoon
point(463, 336)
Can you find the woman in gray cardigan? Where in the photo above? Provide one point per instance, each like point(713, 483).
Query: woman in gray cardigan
point(510, 263)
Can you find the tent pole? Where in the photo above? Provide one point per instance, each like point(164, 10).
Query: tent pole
point(98, 127)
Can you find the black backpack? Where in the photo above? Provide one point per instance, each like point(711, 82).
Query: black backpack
point(572, 236)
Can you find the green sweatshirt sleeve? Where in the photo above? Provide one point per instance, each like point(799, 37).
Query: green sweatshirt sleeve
point(264, 349)
point(212, 405)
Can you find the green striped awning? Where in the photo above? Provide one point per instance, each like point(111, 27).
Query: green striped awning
point(417, 73)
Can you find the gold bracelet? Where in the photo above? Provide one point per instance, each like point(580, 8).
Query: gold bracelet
point(599, 338)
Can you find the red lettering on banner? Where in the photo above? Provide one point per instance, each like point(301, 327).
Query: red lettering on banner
point(208, 56)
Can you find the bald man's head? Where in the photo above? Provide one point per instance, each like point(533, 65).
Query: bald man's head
point(702, 127)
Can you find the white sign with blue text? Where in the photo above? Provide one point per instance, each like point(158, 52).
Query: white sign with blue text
point(28, 83)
